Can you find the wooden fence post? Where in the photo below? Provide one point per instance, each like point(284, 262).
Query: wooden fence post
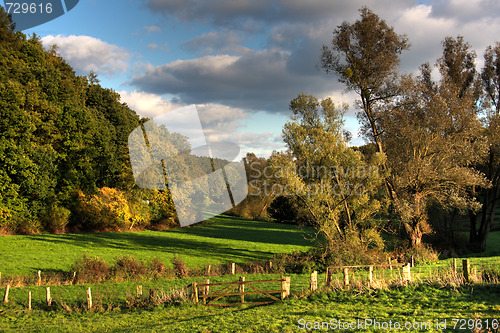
point(328, 276)
point(314, 281)
point(206, 291)
point(370, 274)
point(6, 296)
point(242, 289)
point(209, 268)
point(270, 265)
point(207, 288)
point(29, 300)
point(455, 266)
point(39, 278)
point(285, 287)
point(346, 277)
point(466, 269)
point(233, 268)
point(412, 261)
point(407, 273)
point(89, 299)
point(195, 292)
point(139, 291)
point(49, 298)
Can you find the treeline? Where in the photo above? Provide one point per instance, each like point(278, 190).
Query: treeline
point(64, 162)
point(433, 158)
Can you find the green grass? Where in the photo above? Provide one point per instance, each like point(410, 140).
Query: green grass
point(219, 240)
point(413, 304)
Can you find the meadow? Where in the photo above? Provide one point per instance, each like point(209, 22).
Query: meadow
point(432, 297)
point(220, 240)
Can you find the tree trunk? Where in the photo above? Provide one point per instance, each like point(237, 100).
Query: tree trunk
point(378, 141)
point(478, 238)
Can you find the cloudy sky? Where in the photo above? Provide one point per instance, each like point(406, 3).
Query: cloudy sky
point(242, 61)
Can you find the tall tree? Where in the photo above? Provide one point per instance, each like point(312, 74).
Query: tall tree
point(365, 56)
point(490, 166)
point(332, 180)
point(434, 139)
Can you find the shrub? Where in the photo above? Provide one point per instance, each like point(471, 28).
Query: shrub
point(283, 209)
point(106, 210)
point(57, 219)
point(180, 267)
point(90, 269)
point(128, 266)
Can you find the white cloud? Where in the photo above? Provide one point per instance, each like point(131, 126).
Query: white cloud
point(85, 54)
point(148, 105)
point(220, 122)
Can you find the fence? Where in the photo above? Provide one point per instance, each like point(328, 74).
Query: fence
point(209, 296)
point(202, 290)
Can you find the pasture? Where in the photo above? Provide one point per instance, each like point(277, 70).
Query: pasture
point(220, 240)
point(429, 300)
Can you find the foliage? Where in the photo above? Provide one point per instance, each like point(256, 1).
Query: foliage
point(481, 221)
point(365, 56)
point(62, 135)
point(106, 210)
point(332, 181)
point(433, 138)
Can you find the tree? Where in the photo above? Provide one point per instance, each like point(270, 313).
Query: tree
point(490, 166)
point(433, 139)
point(365, 56)
point(331, 180)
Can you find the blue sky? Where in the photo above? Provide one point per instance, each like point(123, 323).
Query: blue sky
point(240, 61)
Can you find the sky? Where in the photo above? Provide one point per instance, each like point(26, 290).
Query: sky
point(242, 61)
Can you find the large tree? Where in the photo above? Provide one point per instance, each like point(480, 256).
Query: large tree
point(434, 139)
point(332, 181)
point(365, 56)
point(481, 221)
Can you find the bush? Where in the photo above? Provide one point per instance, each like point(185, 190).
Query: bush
point(90, 269)
point(129, 267)
point(283, 209)
point(180, 267)
point(107, 210)
point(288, 209)
point(57, 219)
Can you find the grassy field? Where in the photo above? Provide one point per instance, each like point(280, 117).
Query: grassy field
point(225, 239)
point(420, 306)
point(220, 240)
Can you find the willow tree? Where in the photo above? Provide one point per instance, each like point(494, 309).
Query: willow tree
point(434, 140)
point(481, 221)
point(365, 56)
point(332, 181)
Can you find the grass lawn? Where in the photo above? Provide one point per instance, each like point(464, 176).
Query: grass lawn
point(219, 240)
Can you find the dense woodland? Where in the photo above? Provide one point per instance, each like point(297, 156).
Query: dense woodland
point(64, 158)
point(432, 157)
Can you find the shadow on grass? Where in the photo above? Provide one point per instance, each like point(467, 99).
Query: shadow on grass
point(223, 239)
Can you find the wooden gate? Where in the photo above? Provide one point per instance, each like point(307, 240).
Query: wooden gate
point(209, 296)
